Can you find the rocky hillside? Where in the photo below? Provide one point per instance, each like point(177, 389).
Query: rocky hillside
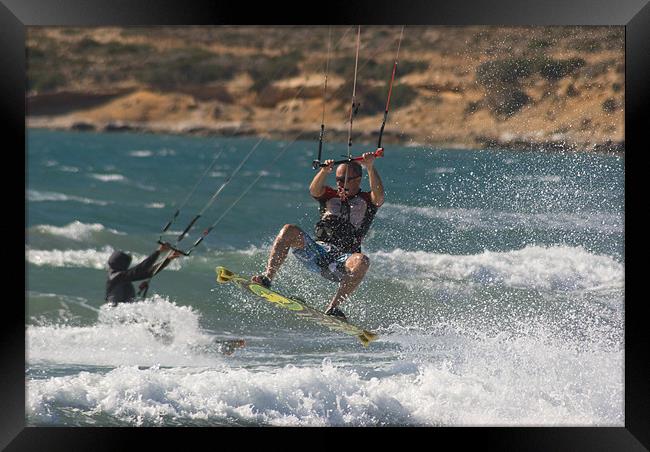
point(466, 87)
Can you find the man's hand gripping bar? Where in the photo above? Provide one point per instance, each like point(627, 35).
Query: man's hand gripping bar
point(317, 164)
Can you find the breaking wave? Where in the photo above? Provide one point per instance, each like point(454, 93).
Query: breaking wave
point(534, 267)
point(76, 230)
point(108, 177)
point(43, 196)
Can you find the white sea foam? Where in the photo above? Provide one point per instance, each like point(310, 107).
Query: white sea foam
point(534, 267)
point(87, 258)
point(493, 384)
point(146, 333)
point(145, 187)
point(42, 196)
point(155, 205)
point(251, 250)
point(489, 219)
point(449, 376)
point(108, 177)
point(76, 230)
point(141, 153)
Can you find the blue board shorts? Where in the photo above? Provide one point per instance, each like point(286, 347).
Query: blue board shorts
point(323, 258)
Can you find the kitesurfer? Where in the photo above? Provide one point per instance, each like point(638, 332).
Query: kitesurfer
point(346, 215)
point(118, 284)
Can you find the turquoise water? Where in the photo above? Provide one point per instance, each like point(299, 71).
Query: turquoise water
point(496, 285)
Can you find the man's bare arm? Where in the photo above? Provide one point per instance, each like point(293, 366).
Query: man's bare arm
point(376, 185)
point(317, 186)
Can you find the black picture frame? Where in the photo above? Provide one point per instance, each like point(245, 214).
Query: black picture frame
point(16, 15)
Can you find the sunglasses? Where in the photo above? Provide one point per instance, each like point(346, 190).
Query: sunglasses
point(342, 179)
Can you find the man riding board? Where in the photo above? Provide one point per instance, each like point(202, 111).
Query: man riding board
point(346, 216)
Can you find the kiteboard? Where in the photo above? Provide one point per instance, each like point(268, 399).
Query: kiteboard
point(295, 305)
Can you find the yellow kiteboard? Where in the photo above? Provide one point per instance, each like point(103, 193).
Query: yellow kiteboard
point(295, 305)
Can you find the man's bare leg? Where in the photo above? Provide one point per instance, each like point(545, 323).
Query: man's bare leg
point(290, 236)
point(356, 266)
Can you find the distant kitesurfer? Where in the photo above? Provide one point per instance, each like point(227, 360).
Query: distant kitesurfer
point(118, 284)
point(335, 249)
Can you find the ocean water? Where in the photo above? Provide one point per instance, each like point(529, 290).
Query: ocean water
point(496, 286)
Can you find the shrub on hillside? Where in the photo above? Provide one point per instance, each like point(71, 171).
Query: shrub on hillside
point(185, 67)
point(45, 80)
point(501, 79)
point(366, 70)
point(44, 67)
point(86, 45)
point(539, 43)
point(504, 71)
point(510, 70)
point(406, 67)
point(372, 99)
point(610, 105)
point(373, 70)
point(556, 69)
point(89, 46)
point(265, 70)
point(117, 48)
point(511, 104)
point(587, 45)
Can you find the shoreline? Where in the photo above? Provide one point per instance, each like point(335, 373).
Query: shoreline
point(230, 130)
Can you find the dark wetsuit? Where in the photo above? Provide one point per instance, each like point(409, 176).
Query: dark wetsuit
point(118, 285)
point(338, 234)
point(344, 224)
